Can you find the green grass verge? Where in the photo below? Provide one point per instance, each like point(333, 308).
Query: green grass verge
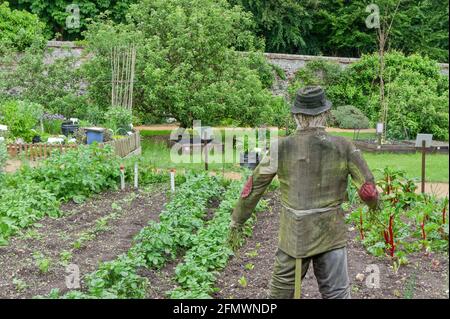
point(361, 136)
point(437, 165)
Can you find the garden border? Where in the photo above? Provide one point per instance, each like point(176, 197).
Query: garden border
point(396, 148)
point(125, 147)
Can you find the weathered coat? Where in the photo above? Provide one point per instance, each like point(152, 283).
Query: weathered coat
point(313, 169)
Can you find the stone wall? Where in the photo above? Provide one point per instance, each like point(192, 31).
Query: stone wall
point(290, 63)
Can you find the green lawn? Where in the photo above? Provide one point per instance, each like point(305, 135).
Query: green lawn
point(437, 168)
point(436, 164)
point(361, 136)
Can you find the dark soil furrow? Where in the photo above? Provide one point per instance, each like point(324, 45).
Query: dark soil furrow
point(425, 276)
point(20, 277)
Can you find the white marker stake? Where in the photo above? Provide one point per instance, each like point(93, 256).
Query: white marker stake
point(172, 180)
point(122, 177)
point(136, 176)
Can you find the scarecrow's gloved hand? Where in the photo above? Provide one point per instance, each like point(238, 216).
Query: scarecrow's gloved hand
point(235, 235)
point(369, 194)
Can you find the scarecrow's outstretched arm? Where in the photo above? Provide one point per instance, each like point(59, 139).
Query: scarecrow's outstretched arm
point(362, 177)
point(255, 187)
point(251, 194)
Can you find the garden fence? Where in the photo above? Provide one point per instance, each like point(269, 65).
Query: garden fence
point(122, 147)
point(34, 152)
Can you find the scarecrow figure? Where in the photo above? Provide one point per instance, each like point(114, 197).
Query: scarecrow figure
point(313, 169)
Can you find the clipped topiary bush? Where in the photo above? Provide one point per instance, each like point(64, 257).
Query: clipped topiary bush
point(349, 117)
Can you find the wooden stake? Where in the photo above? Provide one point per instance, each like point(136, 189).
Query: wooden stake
point(423, 167)
point(136, 176)
point(298, 278)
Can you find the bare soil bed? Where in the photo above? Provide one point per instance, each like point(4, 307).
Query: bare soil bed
point(426, 275)
point(20, 276)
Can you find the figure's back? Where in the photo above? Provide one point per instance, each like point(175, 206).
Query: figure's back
point(313, 170)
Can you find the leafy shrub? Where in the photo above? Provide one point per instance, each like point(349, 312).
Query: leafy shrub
point(119, 119)
point(350, 117)
point(56, 86)
point(21, 117)
point(19, 29)
point(54, 13)
point(77, 174)
point(416, 91)
point(188, 67)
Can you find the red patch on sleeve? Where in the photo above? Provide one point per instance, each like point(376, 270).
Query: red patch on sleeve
point(247, 188)
point(368, 192)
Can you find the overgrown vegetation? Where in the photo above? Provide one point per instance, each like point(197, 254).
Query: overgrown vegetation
point(335, 28)
point(21, 118)
point(19, 29)
point(349, 117)
point(416, 91)
point(188, 67)
point(408, 222)
point(32, 193)
point(156, 244)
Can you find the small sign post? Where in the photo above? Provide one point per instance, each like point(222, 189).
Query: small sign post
point(136, 176)
point(172, 180)
point(122, 177)
point(380, 129)
point(423, 141)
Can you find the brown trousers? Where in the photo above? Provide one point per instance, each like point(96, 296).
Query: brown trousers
point(330, 269)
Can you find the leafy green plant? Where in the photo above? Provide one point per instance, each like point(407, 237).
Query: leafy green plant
point(21, 117)
point(408, 222)
point(119, 119)
point(42, 262)
point(117, 279)
point(19, 29)
point(78, 173)
point(65, 257)
point(19, 284)
point(22, 203)
point(249, 266)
